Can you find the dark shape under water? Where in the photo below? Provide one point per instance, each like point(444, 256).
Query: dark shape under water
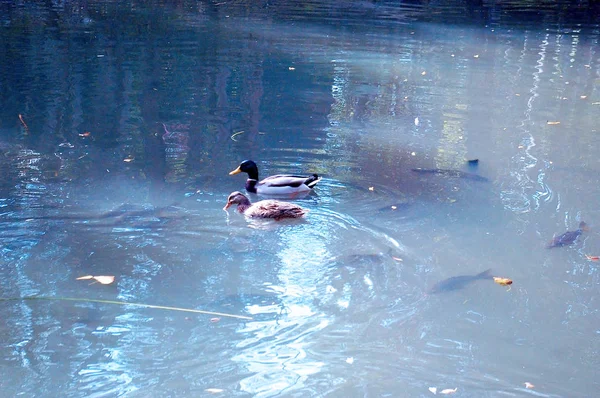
point(568, 237)
point(452, 173)
point(459, 282)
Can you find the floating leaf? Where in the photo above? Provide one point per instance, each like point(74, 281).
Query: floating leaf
point(528, 385)
point(105, 279)
point(449, 391)
point(592, 258)
point(503, 281)
point(553, 123)
point(433, 390)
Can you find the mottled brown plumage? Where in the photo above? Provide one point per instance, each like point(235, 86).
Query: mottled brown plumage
point(274, 209)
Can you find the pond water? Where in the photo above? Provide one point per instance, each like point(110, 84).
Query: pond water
point(119, 123)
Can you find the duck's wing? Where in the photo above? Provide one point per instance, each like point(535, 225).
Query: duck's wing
point(275, 209)
point(282, 180)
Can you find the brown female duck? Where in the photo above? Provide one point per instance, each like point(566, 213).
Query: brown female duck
point(274, 209)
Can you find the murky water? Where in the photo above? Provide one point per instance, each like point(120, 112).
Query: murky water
point(121, 120)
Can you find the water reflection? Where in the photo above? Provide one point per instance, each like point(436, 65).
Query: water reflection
point(363, 94)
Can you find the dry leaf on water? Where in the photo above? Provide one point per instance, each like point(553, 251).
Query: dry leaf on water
point(103, 279)
point(503, 281)
point(449, 391)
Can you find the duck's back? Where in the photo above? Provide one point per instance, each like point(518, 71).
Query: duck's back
point(275, 209)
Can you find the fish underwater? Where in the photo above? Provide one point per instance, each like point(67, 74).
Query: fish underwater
point(568, 237)
point(452, 174)
point(458, 282)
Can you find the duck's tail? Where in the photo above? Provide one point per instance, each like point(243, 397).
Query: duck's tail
point(312, 181)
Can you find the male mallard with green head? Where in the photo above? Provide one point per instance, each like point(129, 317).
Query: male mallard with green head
point(280, 184)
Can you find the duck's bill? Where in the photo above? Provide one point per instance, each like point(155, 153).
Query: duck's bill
point(238, 170)
point(227, 206)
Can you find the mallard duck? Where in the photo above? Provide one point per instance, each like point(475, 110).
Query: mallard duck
point(274, 209)
point(280, 184)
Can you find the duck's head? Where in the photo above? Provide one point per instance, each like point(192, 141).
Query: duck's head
point(247, 166)
point(236, 198)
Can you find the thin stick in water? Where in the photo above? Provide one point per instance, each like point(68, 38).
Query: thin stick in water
point(23, 123)
point(160, 307)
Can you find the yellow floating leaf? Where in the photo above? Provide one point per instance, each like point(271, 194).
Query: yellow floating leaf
point(528, 385)
point(553, 123)
point(449, 391)
point(503, 281)
point(82, 278)
point(105, 279)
